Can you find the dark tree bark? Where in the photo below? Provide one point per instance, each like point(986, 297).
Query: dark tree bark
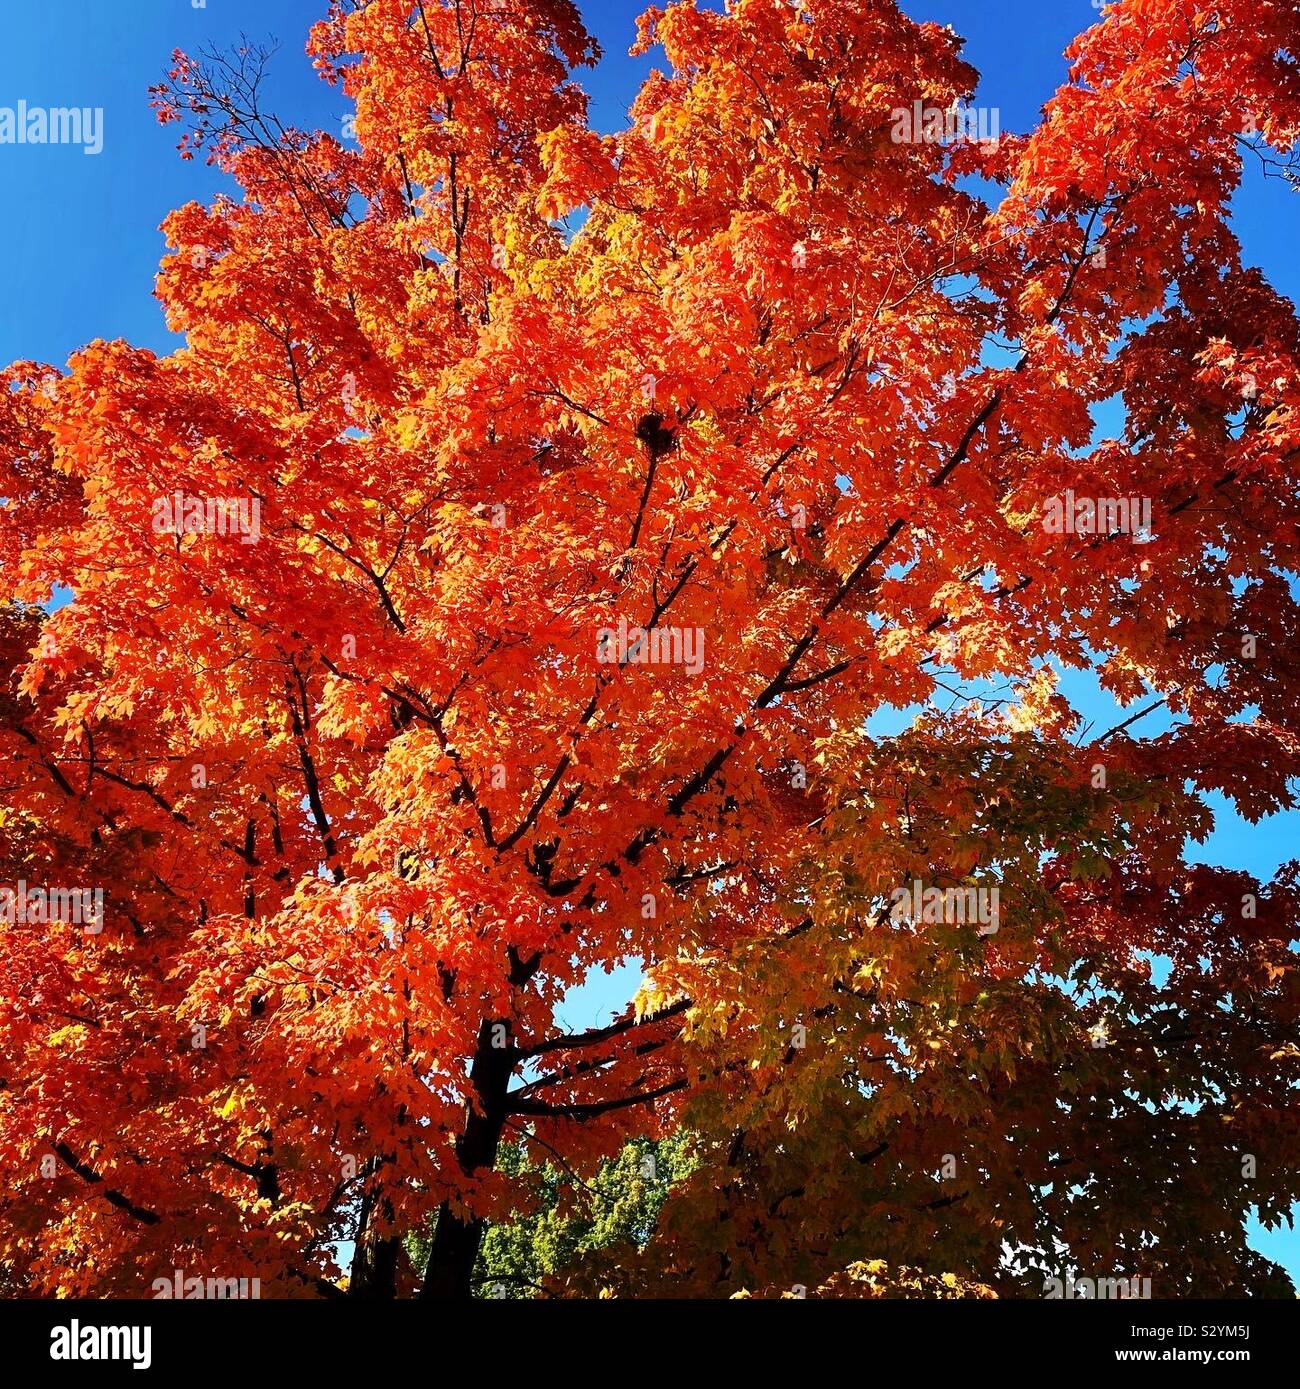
point(449, 1274)
point(373, 1276)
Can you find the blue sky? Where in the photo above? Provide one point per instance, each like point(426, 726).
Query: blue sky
point(81, 244)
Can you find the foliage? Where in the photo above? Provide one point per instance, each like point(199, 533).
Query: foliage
point(367, 793)
point(612, 1216)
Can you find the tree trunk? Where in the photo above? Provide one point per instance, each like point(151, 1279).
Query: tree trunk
point(374, 1261)
point(450, 1271)
point(374, 1269)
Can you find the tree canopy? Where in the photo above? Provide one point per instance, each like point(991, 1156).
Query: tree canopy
point(500, 583)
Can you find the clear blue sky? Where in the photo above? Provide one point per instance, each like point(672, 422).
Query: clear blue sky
point(80, 244)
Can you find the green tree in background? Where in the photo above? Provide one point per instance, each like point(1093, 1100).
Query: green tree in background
point(575, 1224)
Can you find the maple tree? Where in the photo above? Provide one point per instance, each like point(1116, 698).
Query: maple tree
point(368, 794)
